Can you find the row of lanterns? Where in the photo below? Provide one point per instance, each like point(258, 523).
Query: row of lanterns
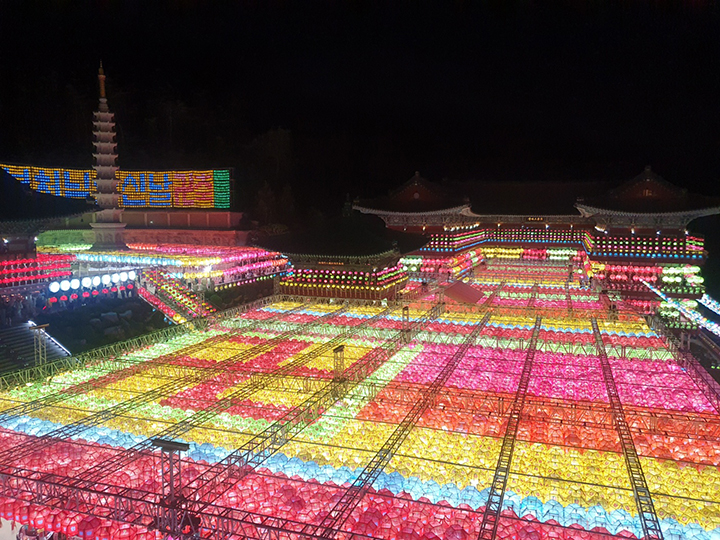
point(91, 282)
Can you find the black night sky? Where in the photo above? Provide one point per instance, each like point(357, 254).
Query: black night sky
point(352, 97)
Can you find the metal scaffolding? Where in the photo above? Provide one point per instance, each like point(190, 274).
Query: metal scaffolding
point(258, 449)
point(704, 381)
point(146, 508)
point(533, 296)
point(257, 382)
point(39, 344)
point(189, 512)
point(136, 366)
point(188, 378)
point(489, 300)
point(493, 507)
point(332, 523)
point(67, 431)
point(643, 498)
point(102, 354)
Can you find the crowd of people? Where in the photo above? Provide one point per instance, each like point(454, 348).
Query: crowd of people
point(17, 308)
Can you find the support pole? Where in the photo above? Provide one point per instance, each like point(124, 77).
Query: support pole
point(339, 353)
point(170, 515)
point(40, 344)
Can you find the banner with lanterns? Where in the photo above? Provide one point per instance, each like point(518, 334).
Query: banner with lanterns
point(138, 189)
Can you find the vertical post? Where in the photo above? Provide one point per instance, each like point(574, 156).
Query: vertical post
point(276, 284)
point(172, 506)
point(406, 323)
point(40, 344)
point(339, 353)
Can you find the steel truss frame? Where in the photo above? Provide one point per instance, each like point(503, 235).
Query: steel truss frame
point(135, 367)
point(704, 427)
point(704, 381)
point(257, 450)
point(643, 498)
point(67, 431)
point(256, 382)
point(338, 515)
point(144, 508)
point(491, 298)
point(493, 507)
point(533, 296)
point(36, 373)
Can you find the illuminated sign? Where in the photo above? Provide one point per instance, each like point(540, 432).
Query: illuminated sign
point(138, 189)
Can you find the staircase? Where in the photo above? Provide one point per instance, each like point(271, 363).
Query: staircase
point(172, 297)
point(17, 348)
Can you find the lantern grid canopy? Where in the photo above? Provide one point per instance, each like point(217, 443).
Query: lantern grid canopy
point(536, 412)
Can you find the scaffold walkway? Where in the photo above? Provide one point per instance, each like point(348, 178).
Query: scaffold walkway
point(643, 498)
point(257, 382)
point(533, 296)
point(141, 365)
point(489, 300)
point(493, 506)
point(333, 521)
point(257, 450)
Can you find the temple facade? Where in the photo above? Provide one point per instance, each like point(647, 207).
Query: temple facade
point(620, 238)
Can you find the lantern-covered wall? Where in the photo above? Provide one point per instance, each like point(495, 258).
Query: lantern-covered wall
point(137, 189)
point(344, 277)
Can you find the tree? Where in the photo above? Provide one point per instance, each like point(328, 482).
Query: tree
point(266, 204)
point(286, 205)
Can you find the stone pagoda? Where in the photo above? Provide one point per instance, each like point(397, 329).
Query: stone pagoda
point(108, 227)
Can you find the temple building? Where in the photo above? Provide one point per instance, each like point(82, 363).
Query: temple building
point(351, 257)
point(620, 237)
point(456, 361)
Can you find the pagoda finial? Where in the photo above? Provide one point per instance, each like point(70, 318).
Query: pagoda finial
point(101, 79)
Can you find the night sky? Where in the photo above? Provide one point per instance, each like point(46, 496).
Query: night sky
point(352, 97)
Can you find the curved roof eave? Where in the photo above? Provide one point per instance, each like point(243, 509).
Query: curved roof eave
point(452, 210)
point(472, 214)
point(589, 211)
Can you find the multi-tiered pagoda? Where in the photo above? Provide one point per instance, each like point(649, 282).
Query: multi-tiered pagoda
point(108, 227)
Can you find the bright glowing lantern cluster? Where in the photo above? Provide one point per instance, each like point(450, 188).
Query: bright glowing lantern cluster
point(145, 189)
point(568, 478)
